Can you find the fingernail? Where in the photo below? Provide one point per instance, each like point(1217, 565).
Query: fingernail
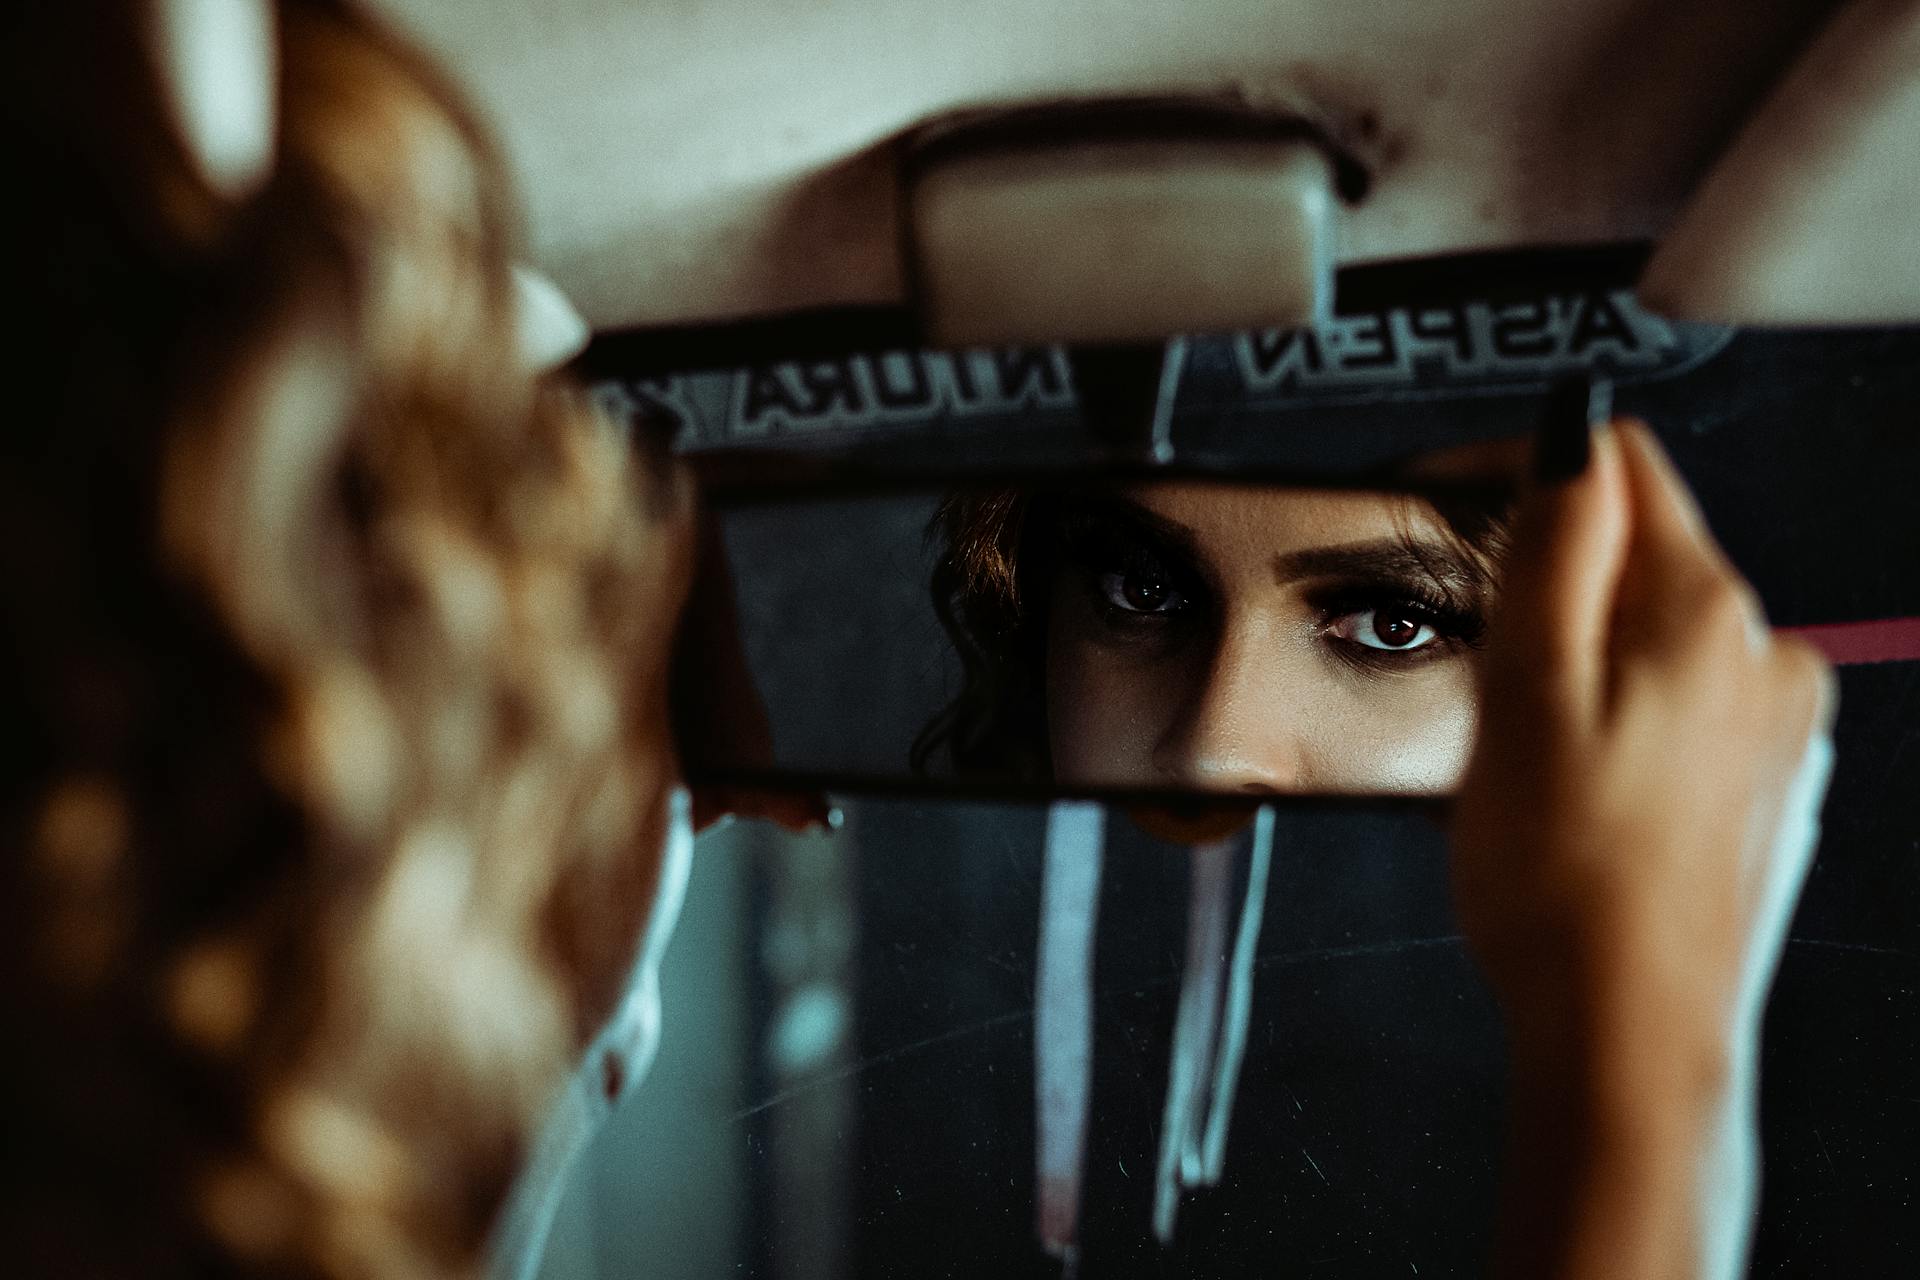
point(1563, 445)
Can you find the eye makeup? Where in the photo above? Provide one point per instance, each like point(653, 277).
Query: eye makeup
point(1410, 622)
point(1394, 604)
point(1140, 580)
point(1380, 608)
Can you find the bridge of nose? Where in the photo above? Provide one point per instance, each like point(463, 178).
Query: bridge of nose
point(1243, 725)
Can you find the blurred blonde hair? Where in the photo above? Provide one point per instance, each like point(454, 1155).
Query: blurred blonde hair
point(336, 710)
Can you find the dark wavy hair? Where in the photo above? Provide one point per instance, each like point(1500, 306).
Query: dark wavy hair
point(996, 554)
point(997, 551)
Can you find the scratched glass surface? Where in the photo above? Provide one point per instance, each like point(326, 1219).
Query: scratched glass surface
point(849, 1082)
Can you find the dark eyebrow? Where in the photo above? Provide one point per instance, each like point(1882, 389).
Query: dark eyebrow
point(1170, 534)
point(1383, 558)
point(1402, 557)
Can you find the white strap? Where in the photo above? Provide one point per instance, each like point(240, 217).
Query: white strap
point(1063, 1015)
point(1210, 1024)
point(623, 1052)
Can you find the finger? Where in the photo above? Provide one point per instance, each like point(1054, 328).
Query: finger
point(793, 811)
point(1826, 700)
point(1798, 697)
point(1549, 640)
point(1790, 833)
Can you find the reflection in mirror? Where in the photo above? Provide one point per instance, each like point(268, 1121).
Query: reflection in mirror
point(1176, 622)
point(1156, 636)
point(1215, 637)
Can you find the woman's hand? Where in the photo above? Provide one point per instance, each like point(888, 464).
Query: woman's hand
point(1629, 840)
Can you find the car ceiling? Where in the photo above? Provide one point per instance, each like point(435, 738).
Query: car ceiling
point(695, 160)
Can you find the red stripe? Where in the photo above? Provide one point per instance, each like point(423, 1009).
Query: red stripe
point(1849, 643)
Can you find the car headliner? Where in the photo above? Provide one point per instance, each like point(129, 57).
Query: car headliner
point(693, 160)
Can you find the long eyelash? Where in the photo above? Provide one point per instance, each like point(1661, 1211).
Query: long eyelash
point(1130, 622)
point(1458, 614)
point(1460, 623)
point(1098, 546)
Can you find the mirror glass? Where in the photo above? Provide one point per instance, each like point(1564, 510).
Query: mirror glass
point(1164, 634)
point(847, 1087)
point(1231, 563)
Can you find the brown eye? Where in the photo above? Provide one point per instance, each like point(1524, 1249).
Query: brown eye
point(1396, 628)
point(1395, 631)
point(1140, 592)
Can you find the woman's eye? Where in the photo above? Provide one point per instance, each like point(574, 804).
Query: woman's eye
point(1135, 591)
point(1386, 628)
